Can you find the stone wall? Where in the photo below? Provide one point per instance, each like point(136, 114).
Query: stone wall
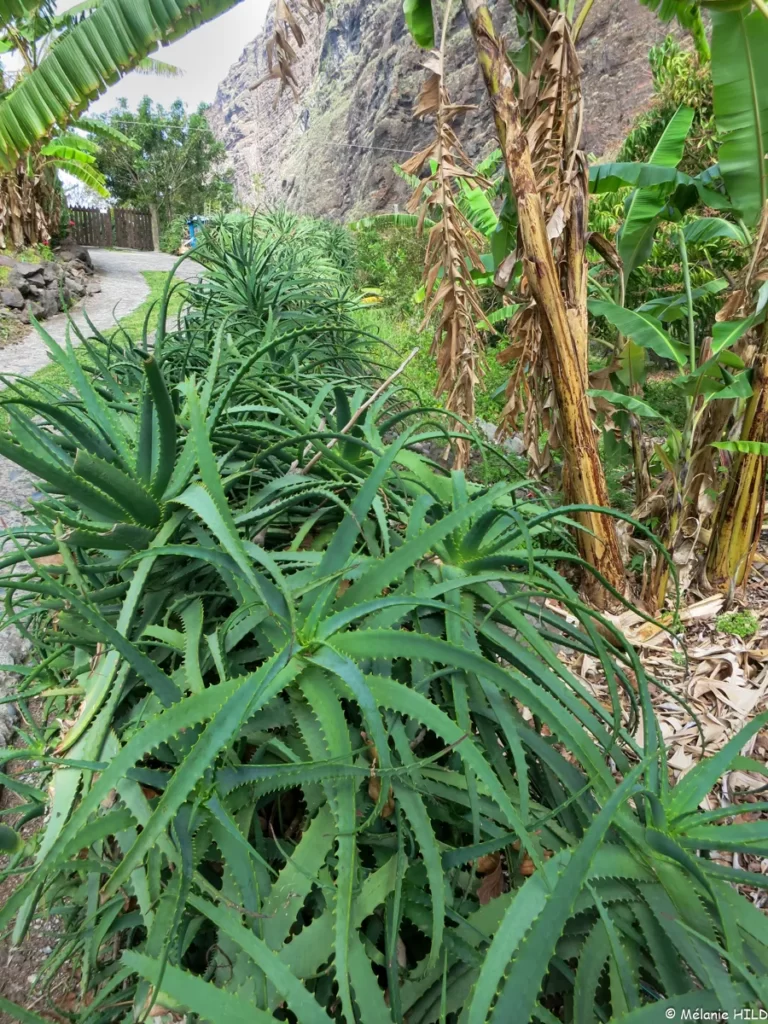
point(44, 289)
point(331, 153)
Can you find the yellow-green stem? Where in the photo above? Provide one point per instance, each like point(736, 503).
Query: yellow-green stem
point(578, 25)
point(689, 300)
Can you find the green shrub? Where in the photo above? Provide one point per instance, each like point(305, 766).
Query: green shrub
point(742, 624)
point(173, 234)
point(38, 253)
point(667, 399)
point(316, 750)
point(391, 259)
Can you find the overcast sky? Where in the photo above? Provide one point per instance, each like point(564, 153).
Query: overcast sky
point(205, 56)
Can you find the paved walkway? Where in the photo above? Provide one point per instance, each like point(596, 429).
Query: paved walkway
point(123, 289)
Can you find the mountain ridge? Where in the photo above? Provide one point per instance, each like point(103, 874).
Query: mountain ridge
point(331, 152)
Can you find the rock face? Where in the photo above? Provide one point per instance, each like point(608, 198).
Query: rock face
point(331, 152)
point(44, 289)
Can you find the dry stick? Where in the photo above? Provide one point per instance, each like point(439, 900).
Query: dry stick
point(366, 405)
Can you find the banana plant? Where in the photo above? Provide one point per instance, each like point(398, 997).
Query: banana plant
point(740, 78)
point(645, 207)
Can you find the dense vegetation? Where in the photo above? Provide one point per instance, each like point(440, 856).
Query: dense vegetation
point(168, 161)
point(314, 748)
point(301, 721)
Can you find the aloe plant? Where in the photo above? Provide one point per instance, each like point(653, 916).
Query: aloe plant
point(303, 713)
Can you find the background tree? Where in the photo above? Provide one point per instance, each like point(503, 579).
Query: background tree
point(176, 170)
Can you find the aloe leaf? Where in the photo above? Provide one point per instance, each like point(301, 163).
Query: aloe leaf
point(64, 482)
point(185, 714)
point(326, 709)
point(166, 425)
point(19, 1014)
point(295, 880)
point(91, 440)
point(695, 784)
point(389, 569)
point(665, 956)
point(136, 503)
point(221, 730)
point(533, 944)
point(679, 1006)
point(188, 992)
point(624, 984)
point(592, 960)
point(97, 408)
point(296, 996)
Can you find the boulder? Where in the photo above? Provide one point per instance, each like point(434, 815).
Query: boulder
point(50, 303)
point(15, 280)
point(12, 298)
point(29, 269)
point(33, 309)
point(70, 252)
point(43, 289)
point(75, 285)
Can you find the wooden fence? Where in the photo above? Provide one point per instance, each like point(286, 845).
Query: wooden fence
point(126, 229)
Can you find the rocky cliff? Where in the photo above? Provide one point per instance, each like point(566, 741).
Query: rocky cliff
point(331, 153)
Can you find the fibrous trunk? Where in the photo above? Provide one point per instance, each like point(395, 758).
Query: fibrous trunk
point(561, 303)
point(29, 206)
point(740, 513)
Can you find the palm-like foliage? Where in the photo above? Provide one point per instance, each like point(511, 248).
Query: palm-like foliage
point(301, 710)
point(90, 53)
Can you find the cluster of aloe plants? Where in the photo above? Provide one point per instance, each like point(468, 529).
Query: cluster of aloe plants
point(311, 749)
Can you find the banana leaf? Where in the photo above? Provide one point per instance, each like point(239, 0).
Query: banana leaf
point(740, 77)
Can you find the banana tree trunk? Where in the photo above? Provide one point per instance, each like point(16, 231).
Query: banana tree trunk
point(563, 321)
point(742, 504)
point(28, 206)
